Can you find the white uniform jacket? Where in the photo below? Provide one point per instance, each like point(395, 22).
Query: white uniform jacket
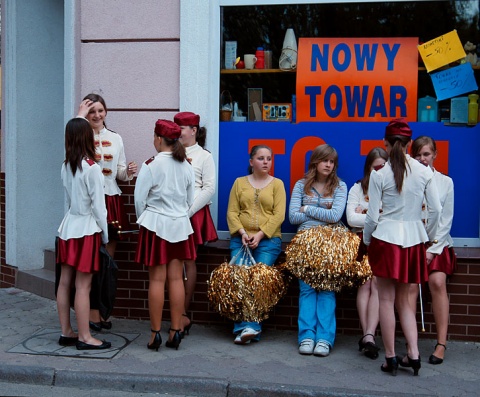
point(87, 213)
point(400, 223)
point(164, 191)
point(205, 178)
point(356, 220)
point(444, 186)
point(110, 155)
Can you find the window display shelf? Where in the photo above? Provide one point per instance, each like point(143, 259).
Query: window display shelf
point(423, 68)
point(254, 71)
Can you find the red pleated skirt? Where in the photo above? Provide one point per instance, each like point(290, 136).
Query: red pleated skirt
point(153, 250)
point(203, 228)
point(117, 217)
point(82, 253)
point(446, 262)
point(406, 265)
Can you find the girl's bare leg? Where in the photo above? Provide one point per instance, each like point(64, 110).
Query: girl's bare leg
point(386, 296)
point(437, 283)
point(156, 296)
point(63, 300)
point(83, 283)
point(176, 292)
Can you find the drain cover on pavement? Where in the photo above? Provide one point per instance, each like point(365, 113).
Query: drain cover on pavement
point(45, 342)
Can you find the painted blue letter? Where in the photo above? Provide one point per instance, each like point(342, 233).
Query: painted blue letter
point(312, 92)
point(390, 54)
point(333, 90)
point(356, 100)
point(378, 103)
point(341, 67)
point(365, 56)
point(321, 58)
point(398, 96)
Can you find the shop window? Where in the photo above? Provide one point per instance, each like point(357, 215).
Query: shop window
point(265, 26)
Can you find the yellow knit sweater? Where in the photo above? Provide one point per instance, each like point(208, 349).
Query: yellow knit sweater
point(257, 209)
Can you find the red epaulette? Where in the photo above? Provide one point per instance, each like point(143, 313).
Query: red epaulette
point(150, 160)
point(90, 161)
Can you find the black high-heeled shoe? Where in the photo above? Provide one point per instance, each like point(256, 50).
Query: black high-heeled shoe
point(186, 330)
point(175, 342)
point(370, 349)
point(392, 365)
point(415, 364)
point(434, 359)
point(157, 341)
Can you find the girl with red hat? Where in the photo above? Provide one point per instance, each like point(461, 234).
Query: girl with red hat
point(193, 139)
point(164, 192)
point(396, 238)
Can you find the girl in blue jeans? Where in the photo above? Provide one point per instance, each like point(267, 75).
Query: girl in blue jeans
point(317, 199)
point(256, 211)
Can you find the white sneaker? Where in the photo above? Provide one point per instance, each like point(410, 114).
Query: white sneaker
point(246, 336)
point(306, 346)
point(238, 340)
point(322, 349)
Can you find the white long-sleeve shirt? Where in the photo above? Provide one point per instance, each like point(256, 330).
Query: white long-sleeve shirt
point(444, 186)
point(356, 220)
point(110, 155)
point(205, 179)
point(164, 191)
point(87, 213)
point(400, 222)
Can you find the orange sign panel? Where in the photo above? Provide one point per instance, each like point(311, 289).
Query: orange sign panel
point(357, 79)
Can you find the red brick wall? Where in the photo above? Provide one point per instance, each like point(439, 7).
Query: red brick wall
point(7, 273)
point(132, 301)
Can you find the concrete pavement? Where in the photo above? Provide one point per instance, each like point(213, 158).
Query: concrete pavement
point(207, 362)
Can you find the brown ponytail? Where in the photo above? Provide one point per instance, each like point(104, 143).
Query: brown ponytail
point(178, 151)
point(398, 160)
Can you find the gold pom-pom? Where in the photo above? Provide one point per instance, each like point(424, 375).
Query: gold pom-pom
point(325, 258)
point(245, 293)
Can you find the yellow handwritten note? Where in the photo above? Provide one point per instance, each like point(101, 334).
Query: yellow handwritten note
point(441, 51)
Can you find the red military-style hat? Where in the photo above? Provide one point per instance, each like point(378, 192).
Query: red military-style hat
point(398, 127)
point(167, 129)
point(184, 119)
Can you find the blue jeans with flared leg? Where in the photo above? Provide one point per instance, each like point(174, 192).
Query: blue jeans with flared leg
point(267, 253)
point(316, 315)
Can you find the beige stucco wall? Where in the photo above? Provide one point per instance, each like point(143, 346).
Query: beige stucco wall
point(130, 54)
